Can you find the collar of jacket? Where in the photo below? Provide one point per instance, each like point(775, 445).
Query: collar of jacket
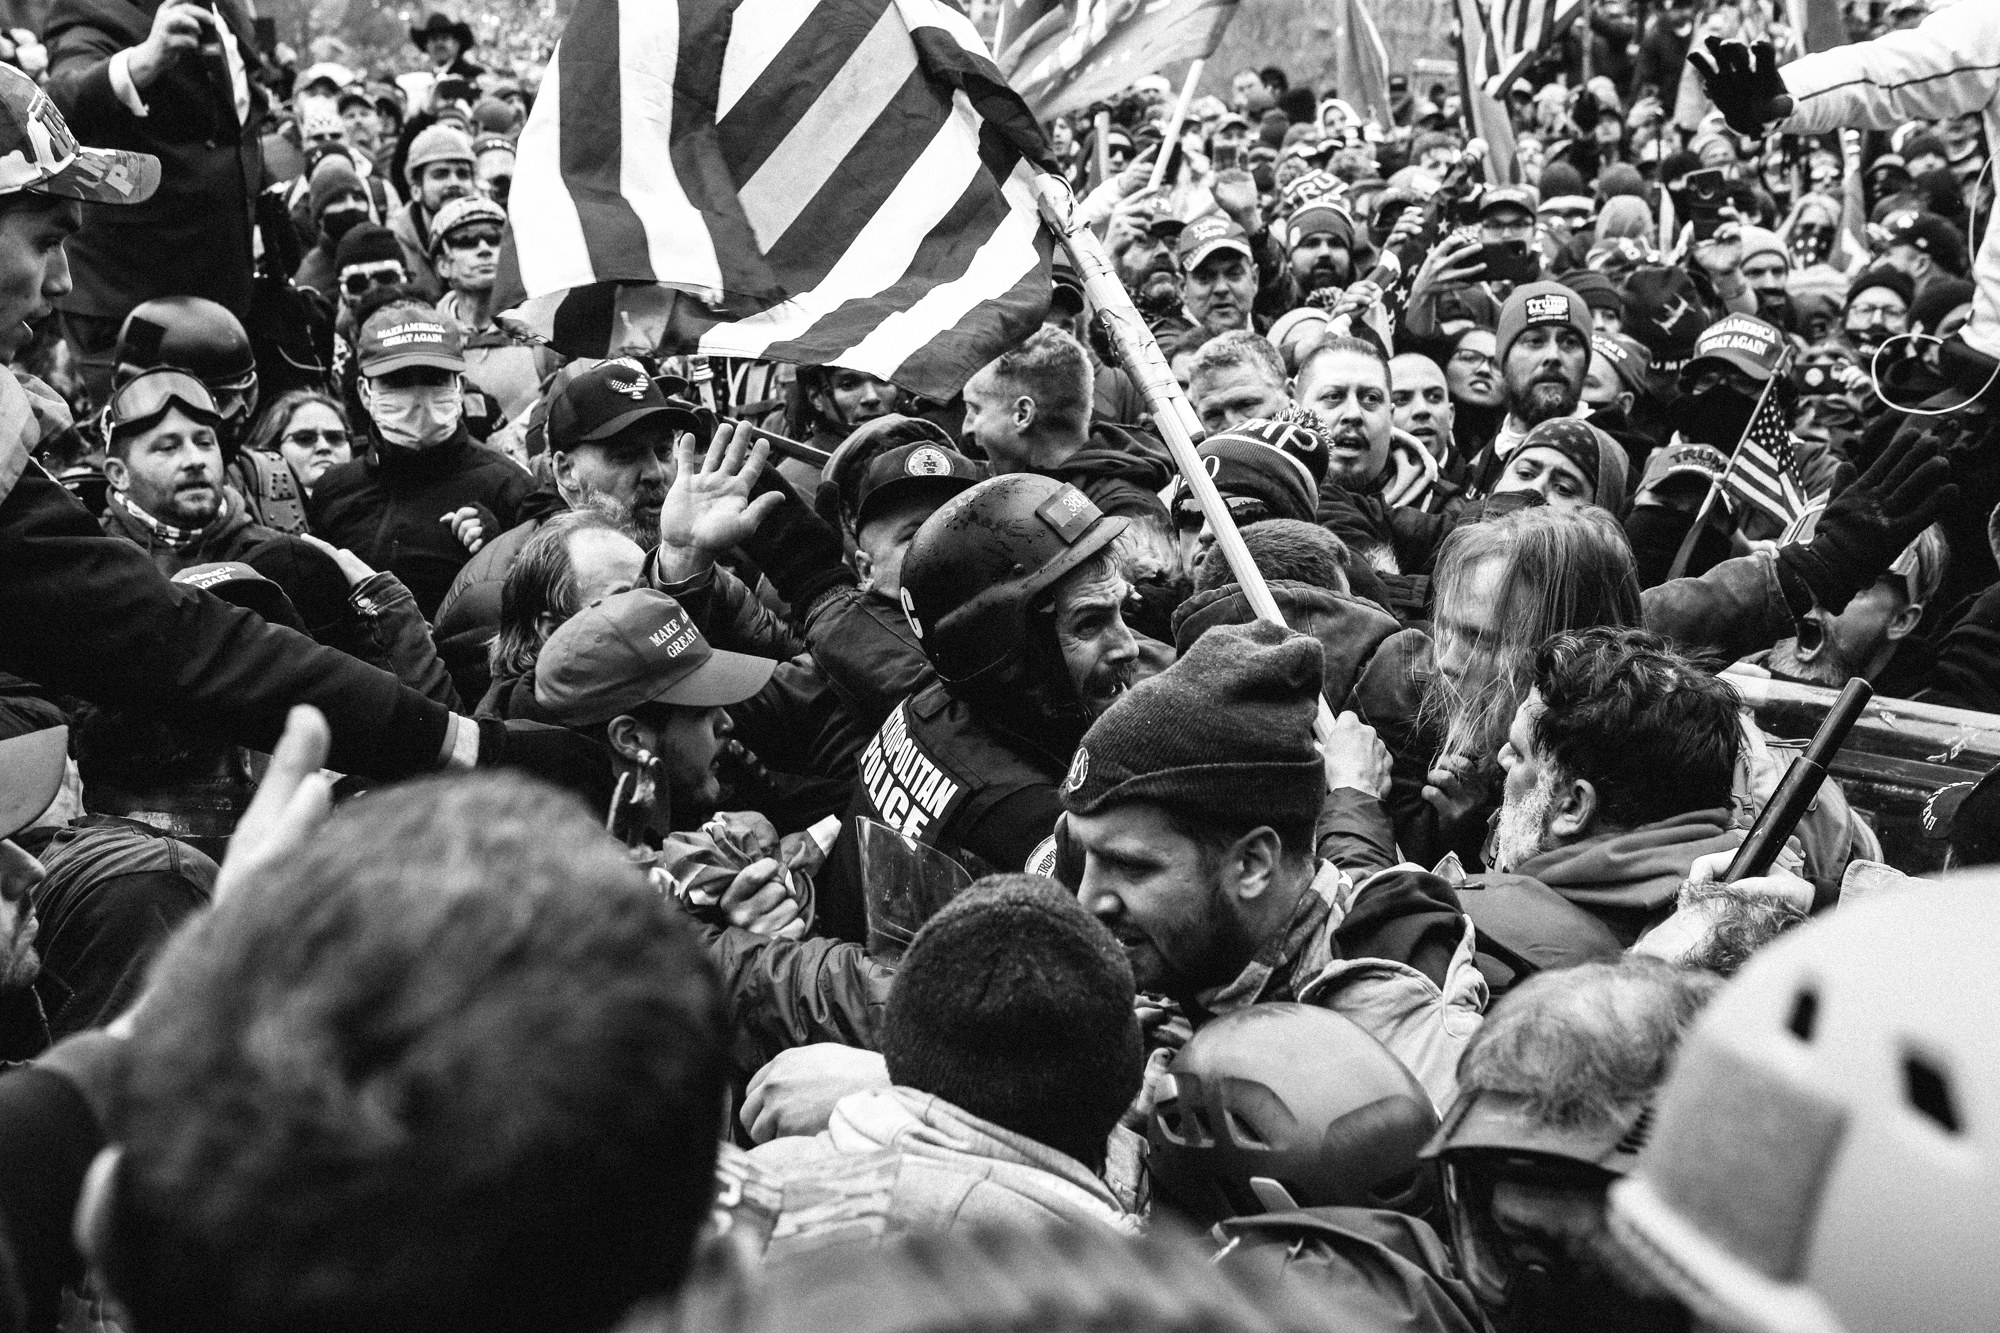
point(163, 533)
point(1639, 868)
point(1289, 957)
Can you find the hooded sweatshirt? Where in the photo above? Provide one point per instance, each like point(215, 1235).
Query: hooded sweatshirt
point(952, 1168)
point(1122, 472)
point(1629, 879)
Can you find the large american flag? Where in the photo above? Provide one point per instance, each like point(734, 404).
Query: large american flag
point(836, 182)
point(1764, 472)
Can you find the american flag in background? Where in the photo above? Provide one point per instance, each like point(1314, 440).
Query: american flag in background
point(826, 182)
point(1764, 472)
point(1518, 32)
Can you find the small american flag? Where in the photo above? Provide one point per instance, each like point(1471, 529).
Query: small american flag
point(1765, 469)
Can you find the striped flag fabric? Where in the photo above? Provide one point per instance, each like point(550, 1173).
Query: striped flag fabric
point(1085, 51)
point(1518, 32)
point(825, 182)
point(1764, 471)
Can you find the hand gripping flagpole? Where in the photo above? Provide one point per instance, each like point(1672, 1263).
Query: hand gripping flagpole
point(1686, 552)
point(1173, 417)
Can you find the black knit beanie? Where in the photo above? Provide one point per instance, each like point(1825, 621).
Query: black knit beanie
point(1225, 734)
point(1014, 1004)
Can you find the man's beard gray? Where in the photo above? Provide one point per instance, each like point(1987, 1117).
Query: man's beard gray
point(1829, 667)
point(1522, 833)
point(625, 518)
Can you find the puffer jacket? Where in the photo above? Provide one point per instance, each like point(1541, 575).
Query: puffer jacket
point(952, 1168)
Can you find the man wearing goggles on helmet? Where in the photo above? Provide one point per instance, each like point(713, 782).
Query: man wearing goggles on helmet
point(1553, 1106)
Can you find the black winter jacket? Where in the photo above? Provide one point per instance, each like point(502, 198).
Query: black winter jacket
point(386, 507)
point(193, 236)
point(89, 615)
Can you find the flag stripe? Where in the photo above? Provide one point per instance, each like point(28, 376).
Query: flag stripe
point(864, 185)
point(945, 254)
point(785, 90)
point(857, 203)
point(592, 150)
point(698, 159)
point(816, 151)
point(762, 29)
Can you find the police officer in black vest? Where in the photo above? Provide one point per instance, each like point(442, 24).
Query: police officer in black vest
point(1014, 590)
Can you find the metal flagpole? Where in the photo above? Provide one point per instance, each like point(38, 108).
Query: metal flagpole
point(1172, 414)
point(1174, 125)
point(1686, 553)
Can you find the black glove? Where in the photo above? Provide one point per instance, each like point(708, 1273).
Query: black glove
point(796, 548)
point(1868, 523)
point(1743, 83)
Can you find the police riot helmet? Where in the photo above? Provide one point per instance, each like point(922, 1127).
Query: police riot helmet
point(1288, 1105)
point(988, 557)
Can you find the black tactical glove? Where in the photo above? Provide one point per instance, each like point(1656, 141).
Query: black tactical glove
point(797, 549)
point(1868, 523)
point(1743, 83)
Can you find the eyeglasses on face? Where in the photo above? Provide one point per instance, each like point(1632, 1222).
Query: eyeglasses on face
point(358, 281)
point(471, 238)
point(306, 437)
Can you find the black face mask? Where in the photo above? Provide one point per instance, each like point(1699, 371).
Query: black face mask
point(337, 222)
point(1717, 417)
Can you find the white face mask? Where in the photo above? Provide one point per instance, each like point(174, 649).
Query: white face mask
point(418, 417)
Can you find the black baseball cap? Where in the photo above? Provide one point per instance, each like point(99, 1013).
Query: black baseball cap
point(1967, 816)
point(913, 469)
point(603, 401)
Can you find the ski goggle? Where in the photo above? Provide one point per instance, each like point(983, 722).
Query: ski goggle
point(1492, 1260)
point(143, 400)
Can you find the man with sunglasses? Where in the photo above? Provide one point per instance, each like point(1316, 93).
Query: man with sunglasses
point(465, 249)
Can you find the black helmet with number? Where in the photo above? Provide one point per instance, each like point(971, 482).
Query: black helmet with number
point(1277, 1106)
point(981, 565)
point(201, 337)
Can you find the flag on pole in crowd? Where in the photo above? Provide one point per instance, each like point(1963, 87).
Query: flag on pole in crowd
point(1521, 31)
point(1086, 51)
point(1361, 62)
point(1764, 472)
point(1486, 115)
point(832, 182)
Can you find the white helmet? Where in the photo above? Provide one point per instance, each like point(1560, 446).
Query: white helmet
point(1826, 1155)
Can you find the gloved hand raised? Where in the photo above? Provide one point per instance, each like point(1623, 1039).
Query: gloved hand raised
point(1868, 522)
point(1743, 83)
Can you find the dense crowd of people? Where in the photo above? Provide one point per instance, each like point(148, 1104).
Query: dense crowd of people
point(497, 841)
